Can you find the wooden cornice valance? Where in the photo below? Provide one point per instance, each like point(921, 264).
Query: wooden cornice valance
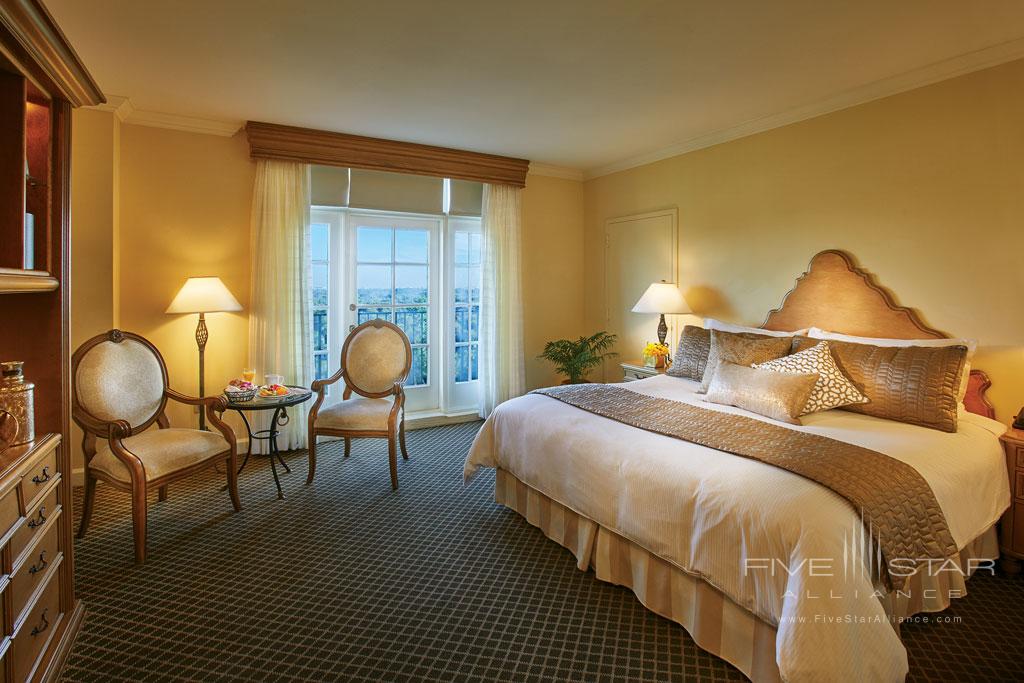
point(288, 143)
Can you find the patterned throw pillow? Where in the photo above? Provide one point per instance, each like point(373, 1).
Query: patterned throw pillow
point(741, 348)
point(833, 389)
point(691, 354)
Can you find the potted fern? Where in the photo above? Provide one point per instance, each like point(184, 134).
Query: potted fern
point(575, 358)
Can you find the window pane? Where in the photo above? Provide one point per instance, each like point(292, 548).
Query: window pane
point(462, 248)
point(413, 322)
point(320, 284)
point(474, 324)
point(412, 246)
point(461, 285)
point(474, 283)
point(474, 361)
point(474, 248)
point(373, 284)
point(411, 284)
point(418, 373)
point(461, 363)
point(461, 324)
point(320, 366)
point(320, 330)
point(373, 244)
point(320, 239)
point(364, 314)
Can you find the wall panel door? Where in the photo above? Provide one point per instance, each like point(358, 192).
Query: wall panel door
point(639, 250)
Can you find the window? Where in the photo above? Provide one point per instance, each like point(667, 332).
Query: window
point(393, 283)
point(422, 272)
point(466, 266)
point(320, 239)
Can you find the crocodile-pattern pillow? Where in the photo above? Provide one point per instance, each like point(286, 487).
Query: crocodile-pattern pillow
point(913, 384)
point(691, 354)
point(832, 390)
point(742, 348)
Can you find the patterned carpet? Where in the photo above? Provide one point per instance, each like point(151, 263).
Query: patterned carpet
point(347, 581)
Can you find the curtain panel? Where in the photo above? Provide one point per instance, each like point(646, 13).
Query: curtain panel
point(502, 365)
point(280, 320)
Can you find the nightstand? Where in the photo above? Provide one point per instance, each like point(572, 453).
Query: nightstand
point(635, 369)
point(1011, 535)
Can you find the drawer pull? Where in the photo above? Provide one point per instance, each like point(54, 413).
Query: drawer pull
point(39, 566)
point(40, 518)
point(42, 626)
point(42, 478)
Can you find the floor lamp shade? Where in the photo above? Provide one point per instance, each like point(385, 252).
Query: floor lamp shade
point(661, 298)
point(203, 295)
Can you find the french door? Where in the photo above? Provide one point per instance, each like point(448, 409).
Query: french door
point(393, 267)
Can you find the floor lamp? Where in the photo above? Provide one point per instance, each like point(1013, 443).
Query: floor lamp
point(203, 295)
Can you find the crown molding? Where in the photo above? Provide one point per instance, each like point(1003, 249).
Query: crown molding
point(126, 112)
point(552, 171)
point(910, 80)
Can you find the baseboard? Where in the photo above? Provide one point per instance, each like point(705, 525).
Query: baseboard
point(436, 419)
point(63, 646)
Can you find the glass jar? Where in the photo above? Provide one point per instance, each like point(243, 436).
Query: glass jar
point(16, 398)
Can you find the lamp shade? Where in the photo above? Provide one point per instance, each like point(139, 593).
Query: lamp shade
point(662, 297)
point(203, 295)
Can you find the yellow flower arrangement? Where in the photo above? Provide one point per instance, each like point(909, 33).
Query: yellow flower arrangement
point(653, 350)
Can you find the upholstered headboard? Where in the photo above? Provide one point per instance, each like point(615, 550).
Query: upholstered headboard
point(836, 295)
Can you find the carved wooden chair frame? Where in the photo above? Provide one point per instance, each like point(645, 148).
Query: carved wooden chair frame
point(117, 430)
point(396, 419)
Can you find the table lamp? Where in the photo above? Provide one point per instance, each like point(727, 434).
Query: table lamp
point(203, 295)
point(661, 298)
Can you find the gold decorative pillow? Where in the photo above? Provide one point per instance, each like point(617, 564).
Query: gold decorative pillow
point(778, 395)
point(691, 354)
point(742, 348)
point(833, 389)
point(913, 384)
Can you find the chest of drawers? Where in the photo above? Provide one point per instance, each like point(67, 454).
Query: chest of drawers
point(1011, 533)
point(38, 614)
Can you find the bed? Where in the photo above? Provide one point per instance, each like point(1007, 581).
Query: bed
point(767, 569)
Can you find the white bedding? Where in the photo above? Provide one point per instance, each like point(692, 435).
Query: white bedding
point(740, 523)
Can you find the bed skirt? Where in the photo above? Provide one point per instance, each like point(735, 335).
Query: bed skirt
point(716, 623)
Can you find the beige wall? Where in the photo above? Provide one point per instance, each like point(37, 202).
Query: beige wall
point(552, 264)
point(94, 215)
point(185, 203)
point(151, 207)
point(925, 188)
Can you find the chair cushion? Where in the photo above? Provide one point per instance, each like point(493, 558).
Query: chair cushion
point(375, 358)
point(356, 413)
point(120, 381)
point(162, 451)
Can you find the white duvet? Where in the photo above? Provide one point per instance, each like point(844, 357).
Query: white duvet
point(774, 542)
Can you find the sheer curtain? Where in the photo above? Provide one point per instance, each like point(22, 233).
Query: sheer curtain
point(502, 366)
point(279, 318)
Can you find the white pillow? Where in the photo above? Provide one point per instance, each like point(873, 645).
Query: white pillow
point(832, 390)
point(712, 324)
point(971, 344)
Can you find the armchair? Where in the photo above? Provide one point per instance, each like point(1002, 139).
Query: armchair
point(120, 391)
point(375, 362)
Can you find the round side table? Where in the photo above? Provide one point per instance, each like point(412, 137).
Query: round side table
point(280, 405)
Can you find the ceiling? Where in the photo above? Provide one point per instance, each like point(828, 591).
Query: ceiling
point(584, 84)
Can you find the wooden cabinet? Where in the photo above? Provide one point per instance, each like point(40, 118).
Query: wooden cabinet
point(1011, 533)
point(41, 79)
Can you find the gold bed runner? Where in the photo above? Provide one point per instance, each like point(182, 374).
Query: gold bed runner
point(895, 501)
